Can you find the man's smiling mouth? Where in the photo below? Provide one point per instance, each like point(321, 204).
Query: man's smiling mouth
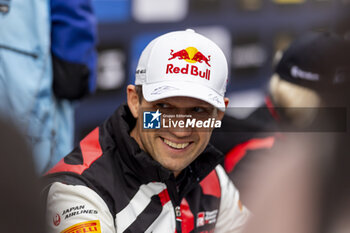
point(175, 145)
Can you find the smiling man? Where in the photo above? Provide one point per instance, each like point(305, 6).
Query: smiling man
point(135, 173)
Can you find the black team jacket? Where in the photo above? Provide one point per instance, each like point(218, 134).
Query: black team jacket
point(108, 184)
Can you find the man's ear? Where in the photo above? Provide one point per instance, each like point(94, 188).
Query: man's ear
point(221, 113)
point(133, 100)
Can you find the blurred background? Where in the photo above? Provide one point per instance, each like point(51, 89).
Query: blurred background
point(250, 32)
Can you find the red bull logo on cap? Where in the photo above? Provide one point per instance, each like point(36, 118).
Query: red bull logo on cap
point(190, 55)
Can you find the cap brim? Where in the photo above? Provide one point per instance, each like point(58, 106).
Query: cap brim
point(157, 91)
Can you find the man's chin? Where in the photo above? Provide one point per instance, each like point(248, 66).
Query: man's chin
point(176, 169)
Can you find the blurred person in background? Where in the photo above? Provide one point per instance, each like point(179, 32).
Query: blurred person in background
point(47, 61)
point(309, 75)
point(303, 93)
point(308, 188)
point(20, 204)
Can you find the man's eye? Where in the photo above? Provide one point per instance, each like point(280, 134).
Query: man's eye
point(198, 110)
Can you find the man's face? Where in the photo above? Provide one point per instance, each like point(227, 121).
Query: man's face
point(175, 148)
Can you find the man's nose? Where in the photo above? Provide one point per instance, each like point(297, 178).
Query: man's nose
point(181, 132)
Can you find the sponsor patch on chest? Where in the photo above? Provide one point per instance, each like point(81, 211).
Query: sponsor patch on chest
point(206, 217)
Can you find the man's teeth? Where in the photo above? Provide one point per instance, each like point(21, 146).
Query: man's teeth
point(176, 145)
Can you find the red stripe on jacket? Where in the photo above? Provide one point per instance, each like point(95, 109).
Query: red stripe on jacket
point(164, 197)
point(91, 151)
point(211, 185)
point(239, 151)
point(187, 218)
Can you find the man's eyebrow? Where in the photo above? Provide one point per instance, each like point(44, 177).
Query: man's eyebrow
point(161, 102)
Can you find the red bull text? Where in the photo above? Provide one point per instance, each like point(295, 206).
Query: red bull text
point(171, 69)
point(190, 55)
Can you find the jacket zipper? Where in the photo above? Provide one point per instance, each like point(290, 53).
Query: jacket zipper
point(178, 219)
point(176, 200)
point(174, 197)
point(33, 55)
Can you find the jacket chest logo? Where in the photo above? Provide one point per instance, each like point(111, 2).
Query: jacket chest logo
point(206, 217)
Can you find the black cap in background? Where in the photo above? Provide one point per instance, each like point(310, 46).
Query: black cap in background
point(319, 61)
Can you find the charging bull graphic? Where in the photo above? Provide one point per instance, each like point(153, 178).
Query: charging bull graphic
point(190, 54)
point(182, 54)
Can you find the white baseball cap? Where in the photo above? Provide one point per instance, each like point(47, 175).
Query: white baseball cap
point(183, 63)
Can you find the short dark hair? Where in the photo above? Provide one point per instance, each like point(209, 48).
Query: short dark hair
point(139, 93)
